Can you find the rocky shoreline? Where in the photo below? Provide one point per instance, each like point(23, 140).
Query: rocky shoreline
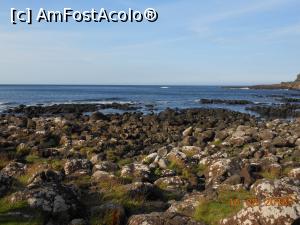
point(195, 166)
point(293, 85)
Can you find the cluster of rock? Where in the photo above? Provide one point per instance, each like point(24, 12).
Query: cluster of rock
point(149, 169)
point(33, 111)
point(225, 101)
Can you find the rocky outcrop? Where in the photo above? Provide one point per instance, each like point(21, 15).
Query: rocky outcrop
point(174, 167)
point(279, 204)
point(162, 218)
point(222, 101)
point(284, 85)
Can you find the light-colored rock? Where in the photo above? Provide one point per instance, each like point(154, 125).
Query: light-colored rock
point(100, 176)
point(175, 183)
point(158, 218)
point(295, 173)
point(136, 171)
point(80, 166)
point(187, 132)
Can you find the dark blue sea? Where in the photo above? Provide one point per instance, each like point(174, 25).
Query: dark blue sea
point(159, 96)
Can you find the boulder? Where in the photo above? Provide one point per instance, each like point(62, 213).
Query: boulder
point(190, 150)
point(143, 189)
point(106, 166)
point(14, 168)
point(150, 158)
point(265, 215)
point(176, 157)
point(187, 206)
point(46, 193)
point(172, 184)
point(295, 173)
point(78, 222)
point(5, 183)
point(187, 132)
point(78, 166)
point(96, 158)
point(158, 218)
point(109, 213)
point(269, 212)
point(249, 174)
point(136, 171)
point(280, 142)
point(274, 188)
point(45, 177)
point(100, 176)
point(221, 169)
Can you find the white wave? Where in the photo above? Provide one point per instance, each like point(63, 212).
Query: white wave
point(164, 87)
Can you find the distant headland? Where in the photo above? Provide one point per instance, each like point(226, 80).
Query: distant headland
point(293, 85)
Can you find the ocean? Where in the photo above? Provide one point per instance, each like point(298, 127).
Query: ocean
point(160, 97)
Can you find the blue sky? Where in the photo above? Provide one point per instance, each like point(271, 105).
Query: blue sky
point(193, 42)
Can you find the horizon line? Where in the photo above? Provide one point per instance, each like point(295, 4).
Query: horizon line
point(87, 84)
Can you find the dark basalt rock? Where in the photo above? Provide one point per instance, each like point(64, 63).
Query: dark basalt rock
point(58, 109)
point(112, 167)
point(223, 101)
point(278, 111)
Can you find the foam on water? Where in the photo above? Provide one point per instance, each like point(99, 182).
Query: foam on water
point(159, 96)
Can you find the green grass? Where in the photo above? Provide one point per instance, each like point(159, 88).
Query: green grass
point(217, 142)
point(211, 212)
point(113, 191)
point(286, 170)
point(268, 175)
point(81, 181)
point(9, 220)
point(291, 158)
point(34, 159)
point(7, 207)
point(123, 162)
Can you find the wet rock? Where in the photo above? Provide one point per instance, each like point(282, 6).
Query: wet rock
point(97, 116)
point(277, 111)
point(222, 101)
